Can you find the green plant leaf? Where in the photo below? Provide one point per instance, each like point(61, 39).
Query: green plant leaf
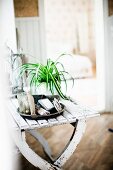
point(53, 73)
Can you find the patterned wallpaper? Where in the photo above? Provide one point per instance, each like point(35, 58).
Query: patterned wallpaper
point(70, 26)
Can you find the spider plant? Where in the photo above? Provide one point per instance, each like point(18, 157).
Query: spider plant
point(52, 74)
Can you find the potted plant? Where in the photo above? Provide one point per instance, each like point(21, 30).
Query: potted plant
point(52, 74)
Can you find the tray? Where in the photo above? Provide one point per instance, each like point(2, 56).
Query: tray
point(53, 112)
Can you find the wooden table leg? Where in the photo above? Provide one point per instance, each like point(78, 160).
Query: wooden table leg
point(42, 141)
point(36, 160)
point(79, 128)
point(71, 146)
point(30, 155)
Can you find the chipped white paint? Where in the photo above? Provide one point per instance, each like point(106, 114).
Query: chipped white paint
point(72, 144)
point(29, 154)
point(74, 114)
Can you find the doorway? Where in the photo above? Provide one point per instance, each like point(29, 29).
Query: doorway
point(70, 29)
point(71, 42)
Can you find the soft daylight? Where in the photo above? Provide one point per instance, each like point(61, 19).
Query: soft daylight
point(56, 96)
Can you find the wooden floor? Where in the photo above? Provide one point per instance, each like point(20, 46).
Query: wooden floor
point(95, 151)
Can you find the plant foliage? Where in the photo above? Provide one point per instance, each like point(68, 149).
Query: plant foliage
point(52, 74)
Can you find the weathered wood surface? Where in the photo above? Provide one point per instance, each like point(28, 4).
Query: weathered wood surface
point(74, 114)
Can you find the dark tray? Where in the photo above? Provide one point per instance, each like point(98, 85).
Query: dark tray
point(53, 112)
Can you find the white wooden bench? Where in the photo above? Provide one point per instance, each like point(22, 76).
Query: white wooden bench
point(75, 114)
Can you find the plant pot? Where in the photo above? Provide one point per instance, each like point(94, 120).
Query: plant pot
point(42, 89)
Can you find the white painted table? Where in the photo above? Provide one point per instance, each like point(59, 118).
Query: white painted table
point(75, 114)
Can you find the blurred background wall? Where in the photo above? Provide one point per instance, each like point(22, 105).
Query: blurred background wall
point(70, 27)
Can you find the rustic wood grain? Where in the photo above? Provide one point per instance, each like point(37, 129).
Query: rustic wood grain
point(110, 7)
point(27, 8)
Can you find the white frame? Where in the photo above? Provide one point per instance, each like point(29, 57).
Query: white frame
point(101, 50)
point(42, 30)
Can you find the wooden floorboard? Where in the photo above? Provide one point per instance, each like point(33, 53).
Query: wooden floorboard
point(95, 151)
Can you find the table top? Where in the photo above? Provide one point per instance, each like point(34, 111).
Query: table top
point(73, 112)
